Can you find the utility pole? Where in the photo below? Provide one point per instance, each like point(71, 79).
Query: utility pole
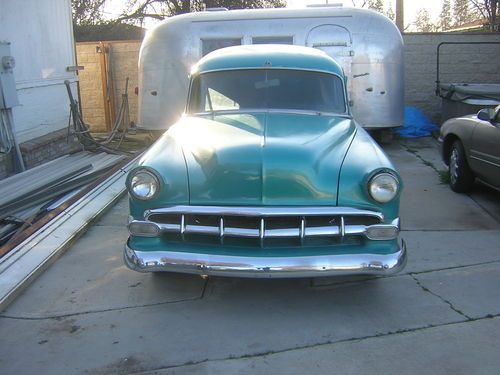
point(400, 19)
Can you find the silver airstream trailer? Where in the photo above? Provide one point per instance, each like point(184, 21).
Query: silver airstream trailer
point(365, 43)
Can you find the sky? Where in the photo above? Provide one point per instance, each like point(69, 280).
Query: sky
point(114, 7)
point(411, 6)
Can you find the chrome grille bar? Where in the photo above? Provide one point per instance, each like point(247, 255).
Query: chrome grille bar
point(302, 230)
point(265, 222)
point(264, 211)
point(221, 230)
point(183, 225)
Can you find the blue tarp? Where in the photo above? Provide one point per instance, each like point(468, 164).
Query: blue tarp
point(415, 124)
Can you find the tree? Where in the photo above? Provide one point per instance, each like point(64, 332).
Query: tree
point(489, 10)
point(462, 13)
point(377, 5)
point(423, 21)
point(360, 4)
point(390, 13)
point(445, 18)
point(87, 12)
point(159, 9)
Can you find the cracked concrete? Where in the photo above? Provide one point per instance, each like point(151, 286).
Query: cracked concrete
point(88, 314)
point(443, 350)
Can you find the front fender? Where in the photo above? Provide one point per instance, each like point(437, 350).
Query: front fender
point(457, 128)
point(364, 159)
point(166, 158)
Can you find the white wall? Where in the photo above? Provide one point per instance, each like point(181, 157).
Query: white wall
point(41, 37)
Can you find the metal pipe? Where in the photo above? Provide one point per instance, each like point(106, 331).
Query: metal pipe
point(18, 160)
point(438, 89)
point(5, 145)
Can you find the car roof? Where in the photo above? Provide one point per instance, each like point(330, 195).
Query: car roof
point(268, 56)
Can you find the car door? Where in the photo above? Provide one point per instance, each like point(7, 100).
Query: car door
point(485, 150)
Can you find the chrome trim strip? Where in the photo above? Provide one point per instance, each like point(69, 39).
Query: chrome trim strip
point(485, 161)
point(497, 188)
point(308, 112)
point(242, 232)
point(266, 267)
point(284, 232)
point(322, 231)
point(264, 211)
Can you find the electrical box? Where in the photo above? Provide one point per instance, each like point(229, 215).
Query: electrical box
point(8, 91)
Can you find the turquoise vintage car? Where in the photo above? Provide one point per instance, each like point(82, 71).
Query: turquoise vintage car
point(266, 175)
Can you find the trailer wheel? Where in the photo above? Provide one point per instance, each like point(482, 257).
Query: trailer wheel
point(382, 136)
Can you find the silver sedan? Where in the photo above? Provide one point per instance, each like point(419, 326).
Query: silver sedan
point(471, 149)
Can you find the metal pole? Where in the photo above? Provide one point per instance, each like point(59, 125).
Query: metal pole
point(400, 15)
point(18, 160)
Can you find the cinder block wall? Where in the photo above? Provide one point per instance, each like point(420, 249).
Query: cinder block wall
point(124, 56)
point(458, 63)
point(90, 82)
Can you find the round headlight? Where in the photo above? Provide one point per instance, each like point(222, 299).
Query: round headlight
point(383, 187)
point(144, 185)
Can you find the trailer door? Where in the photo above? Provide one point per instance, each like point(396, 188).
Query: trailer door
point(336, 41)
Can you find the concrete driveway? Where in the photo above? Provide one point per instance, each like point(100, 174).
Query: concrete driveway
point(89, 314)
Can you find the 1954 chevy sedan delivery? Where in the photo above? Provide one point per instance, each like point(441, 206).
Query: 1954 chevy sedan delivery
point(266, 175)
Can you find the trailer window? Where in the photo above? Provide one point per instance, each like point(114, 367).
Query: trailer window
point(209, 45)
point(267, 89)
point(272, 40)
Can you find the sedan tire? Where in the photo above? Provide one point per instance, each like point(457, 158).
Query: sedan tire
point(461, 176)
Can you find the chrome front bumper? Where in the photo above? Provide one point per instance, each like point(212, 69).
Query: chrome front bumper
point(265, 267)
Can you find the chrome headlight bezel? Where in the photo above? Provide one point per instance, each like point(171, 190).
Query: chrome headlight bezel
point(383, 187)
point(144, 173)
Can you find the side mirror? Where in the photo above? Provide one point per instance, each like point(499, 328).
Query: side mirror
point(486, 114)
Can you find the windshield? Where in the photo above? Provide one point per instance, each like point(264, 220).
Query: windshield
point(284, 89)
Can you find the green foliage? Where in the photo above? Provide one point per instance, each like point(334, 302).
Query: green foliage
point(87, 12)
point(445, 18)
point(107, 31)
point(377, 5)
point(90, 12)
point(138, 10)
point(462, 13)
point(423, 22)
point(488, 10)
point(390, 13)
point(444, 176)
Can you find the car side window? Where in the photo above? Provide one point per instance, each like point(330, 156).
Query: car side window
point(217, 101)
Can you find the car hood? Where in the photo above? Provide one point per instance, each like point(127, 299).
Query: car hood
point(264, 158)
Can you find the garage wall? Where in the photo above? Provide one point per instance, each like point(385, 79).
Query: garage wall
point(459, 63)
point(40, 33)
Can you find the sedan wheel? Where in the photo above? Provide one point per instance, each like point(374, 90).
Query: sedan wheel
point(461, 177)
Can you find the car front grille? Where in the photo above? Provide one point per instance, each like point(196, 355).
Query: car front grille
point(263, 223)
